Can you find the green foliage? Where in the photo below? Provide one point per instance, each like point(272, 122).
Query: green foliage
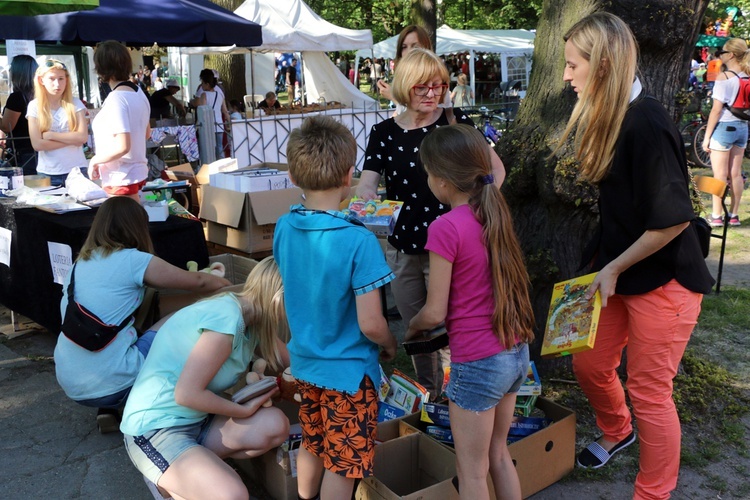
point(491, 14)
point(387, 17)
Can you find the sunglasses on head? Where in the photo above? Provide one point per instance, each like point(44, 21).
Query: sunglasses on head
point(722, 52)
point(51, 63)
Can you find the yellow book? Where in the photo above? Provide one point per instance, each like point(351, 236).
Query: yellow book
point(572, 320)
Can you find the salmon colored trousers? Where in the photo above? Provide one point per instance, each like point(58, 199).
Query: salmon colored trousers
point(655, 327)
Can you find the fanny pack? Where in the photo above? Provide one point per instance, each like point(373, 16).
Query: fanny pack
point(84, 327)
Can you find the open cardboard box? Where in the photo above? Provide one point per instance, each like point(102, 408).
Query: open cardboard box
point(541, 459)
point(410, 467)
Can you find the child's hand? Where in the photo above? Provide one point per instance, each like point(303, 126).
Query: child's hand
point(262, 401)
point(412, 333)
point(389, 351)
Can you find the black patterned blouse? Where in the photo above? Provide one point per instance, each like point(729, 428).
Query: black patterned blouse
point(394, 153)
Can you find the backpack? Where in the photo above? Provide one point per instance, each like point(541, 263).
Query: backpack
point(740, 108)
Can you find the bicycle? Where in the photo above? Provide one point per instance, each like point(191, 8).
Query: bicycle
point(489, 130)
point(694, 130)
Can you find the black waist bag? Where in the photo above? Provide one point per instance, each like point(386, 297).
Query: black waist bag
point(84, 327)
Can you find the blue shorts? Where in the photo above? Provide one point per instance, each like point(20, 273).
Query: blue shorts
point(153, 452)
point(728, 134)
point(480, 385)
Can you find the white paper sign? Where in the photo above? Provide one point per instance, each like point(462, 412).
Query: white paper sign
point(6, 237)
point(61, 260)
point(18, 47)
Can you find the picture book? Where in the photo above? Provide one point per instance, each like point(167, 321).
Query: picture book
point(532, 386)
point(377, 216)
point(572, 320)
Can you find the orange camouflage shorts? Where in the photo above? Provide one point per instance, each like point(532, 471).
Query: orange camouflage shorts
point(340, 428)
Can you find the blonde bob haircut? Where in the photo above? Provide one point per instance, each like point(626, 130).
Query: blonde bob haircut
point(609, 46)
point(320, 154)
point(738, 48)
point(418, 67)
point(42, 97)
point(265, 292)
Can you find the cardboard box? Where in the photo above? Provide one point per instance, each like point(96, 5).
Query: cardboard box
point(273, 469)
point(541, 459)
point(237, 267)
point(410, 467)
point(547, 456)
point(245, 221)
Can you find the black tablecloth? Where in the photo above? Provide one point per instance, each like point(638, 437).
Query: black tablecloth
point(27, 287)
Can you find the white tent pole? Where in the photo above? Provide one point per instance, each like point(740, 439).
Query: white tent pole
point(303, 97)
point(473, 75)
point(252, 72)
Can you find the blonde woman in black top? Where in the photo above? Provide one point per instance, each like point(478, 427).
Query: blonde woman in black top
point(651, 273)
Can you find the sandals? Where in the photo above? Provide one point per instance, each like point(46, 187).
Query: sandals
point(594, 456)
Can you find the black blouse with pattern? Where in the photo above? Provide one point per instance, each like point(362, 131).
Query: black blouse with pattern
point(394, 153)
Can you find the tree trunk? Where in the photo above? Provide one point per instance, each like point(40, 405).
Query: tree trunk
point(424, 14)
point(231, 68)
point(555, 215)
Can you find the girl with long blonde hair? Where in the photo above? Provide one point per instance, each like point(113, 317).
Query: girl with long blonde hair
point(57, 123)
point(651, 273)
point(178, 427)
point(480, 288)
point(726, 134)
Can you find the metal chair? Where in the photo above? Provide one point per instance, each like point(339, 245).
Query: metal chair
point(718, 188)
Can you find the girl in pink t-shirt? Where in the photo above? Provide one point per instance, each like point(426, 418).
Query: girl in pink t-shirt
point(480, 288)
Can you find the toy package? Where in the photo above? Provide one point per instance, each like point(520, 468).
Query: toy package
point(377, 216)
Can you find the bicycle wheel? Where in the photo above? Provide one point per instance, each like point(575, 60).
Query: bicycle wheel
point(702, 157)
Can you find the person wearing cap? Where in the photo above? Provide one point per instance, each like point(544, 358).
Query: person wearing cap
point(161, 99)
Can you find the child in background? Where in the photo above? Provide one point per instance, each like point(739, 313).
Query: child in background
point(57, 123)
point(335, 315)
point(462, 96)
point(236, 110)
point(479, 287)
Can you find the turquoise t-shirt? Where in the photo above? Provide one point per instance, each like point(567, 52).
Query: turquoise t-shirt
point(112, 288)
point(151, 403)
point(326, 260)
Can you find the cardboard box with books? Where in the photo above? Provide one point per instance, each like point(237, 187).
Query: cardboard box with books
point(572, 319)
point(245, 221)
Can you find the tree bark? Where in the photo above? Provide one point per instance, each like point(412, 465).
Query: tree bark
point(231, 68)
point(555, 214)
point(424, 14)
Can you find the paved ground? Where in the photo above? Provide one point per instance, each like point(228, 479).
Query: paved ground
point(50, 447)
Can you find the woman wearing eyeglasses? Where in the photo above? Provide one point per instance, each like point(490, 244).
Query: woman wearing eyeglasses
point(726, 134)
point(57, 123)
point(420, 83)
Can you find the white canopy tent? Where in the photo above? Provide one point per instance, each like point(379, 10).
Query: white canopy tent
point(292, 26)
point(515, 48)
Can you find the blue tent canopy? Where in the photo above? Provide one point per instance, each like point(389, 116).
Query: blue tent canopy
point(138, 23)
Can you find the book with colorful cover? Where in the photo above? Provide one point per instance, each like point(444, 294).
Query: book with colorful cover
point(572, 320)
point(532, 386)
point(377, 216)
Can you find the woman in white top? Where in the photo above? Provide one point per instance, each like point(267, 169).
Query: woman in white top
point(121, 128)
point(726, 134)
point(57, 123)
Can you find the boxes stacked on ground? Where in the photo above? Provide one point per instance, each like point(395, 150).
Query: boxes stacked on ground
point(245, 221)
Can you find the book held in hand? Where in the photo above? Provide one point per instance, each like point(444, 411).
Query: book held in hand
point(572, 320)
point(255, 389)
